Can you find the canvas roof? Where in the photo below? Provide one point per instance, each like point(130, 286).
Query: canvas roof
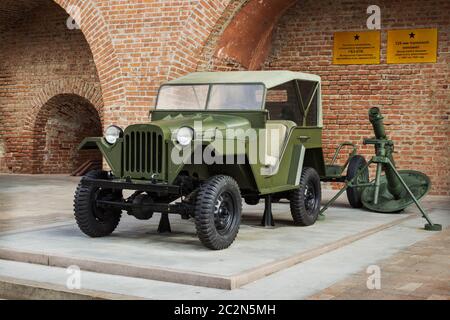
point(269, 78)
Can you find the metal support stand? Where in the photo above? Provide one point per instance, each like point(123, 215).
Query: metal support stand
point(347, 184)
point(164, 224)
point(267, 220)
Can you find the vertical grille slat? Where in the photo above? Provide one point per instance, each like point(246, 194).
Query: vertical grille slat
point(153, 151)
point(127, 152)
point(147, 152)
point(143, 153)
point(156, 153)
point(138, 148)
point(132, 152)
point(160, 154)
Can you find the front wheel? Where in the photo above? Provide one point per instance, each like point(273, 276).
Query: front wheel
point(218, 212)
point(95, 221)
point(305, 201)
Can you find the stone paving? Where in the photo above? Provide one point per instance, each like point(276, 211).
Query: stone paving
point(23, 197)
point(421, 271)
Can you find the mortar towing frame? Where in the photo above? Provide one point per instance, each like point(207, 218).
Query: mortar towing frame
point(394, 191)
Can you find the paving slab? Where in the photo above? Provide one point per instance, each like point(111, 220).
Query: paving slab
point(421, 271)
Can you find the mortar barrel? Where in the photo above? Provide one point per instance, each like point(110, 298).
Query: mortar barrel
point(376, 119)
point(394, 185)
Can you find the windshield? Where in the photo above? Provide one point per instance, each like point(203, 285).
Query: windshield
point(211, 97)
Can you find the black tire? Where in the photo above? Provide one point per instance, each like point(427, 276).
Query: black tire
point(218, 212)
point(92, 220)
point(356, 163)
point(305, 201)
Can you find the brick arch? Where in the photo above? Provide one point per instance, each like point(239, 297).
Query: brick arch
point(86, 90)
point(58, 128)
point(97, 35)
point(207, 57)
point(201, 22)
point(242, 36)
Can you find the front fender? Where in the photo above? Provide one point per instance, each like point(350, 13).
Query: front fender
point(111, 153)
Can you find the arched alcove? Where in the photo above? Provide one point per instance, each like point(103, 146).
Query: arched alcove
point(60, 125)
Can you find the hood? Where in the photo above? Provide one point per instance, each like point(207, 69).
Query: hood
point(199, 122)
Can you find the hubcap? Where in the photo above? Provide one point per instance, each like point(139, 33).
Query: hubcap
point(310, 197)
point(363, 178)
point(224, 213)
point(100, 213)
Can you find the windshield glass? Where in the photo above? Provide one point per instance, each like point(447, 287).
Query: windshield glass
point(190, 97)
point(211, 97)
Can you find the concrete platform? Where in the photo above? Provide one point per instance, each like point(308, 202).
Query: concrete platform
point(137, 250)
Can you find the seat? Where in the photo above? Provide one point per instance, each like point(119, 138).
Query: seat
point(275, 137)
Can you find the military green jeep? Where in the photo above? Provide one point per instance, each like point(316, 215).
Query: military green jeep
point(214, 138)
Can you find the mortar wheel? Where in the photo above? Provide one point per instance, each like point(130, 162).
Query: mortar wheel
point(417, 182)
point(356, 163)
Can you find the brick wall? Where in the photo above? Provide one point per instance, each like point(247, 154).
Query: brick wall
point(126, 49)
point(39, 58)
point(155, 41)
point(414, 98)
point(3, 166)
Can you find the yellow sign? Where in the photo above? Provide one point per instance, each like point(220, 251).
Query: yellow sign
point(356, 47)
point(412, 46)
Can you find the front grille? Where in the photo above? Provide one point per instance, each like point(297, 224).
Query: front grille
point(143, 152)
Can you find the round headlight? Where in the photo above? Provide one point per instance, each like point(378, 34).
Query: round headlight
point(185, 136)
point(113, 133)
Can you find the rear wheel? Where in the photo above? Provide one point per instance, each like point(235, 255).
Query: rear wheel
point(354, 194)
point(218, 212)
point(95, 221)
point(305, 201)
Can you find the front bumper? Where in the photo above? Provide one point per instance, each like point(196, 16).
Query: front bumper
point(122, 184)
point(162, 189)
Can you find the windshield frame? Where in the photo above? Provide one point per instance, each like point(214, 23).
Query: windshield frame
point(261, 107)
